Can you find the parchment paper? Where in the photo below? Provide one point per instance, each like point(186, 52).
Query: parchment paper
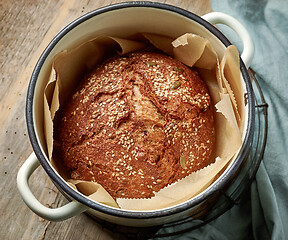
point(221, 75)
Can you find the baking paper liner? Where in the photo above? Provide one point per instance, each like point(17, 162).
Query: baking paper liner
point(223, 80)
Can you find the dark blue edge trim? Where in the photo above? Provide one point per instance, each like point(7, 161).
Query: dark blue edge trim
point(122, 213)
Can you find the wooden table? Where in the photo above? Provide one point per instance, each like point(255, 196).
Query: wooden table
point(26, 28)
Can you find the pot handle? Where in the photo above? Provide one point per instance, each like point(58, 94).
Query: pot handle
point(58, 214)
point(241, 31)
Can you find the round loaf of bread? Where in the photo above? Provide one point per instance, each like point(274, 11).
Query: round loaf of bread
point(136, 124)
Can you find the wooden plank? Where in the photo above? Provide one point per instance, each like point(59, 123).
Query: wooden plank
point(26, 27)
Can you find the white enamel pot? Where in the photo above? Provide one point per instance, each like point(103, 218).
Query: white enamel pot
point(115, 20)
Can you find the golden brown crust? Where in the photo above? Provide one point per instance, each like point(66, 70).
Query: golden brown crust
point(136, 124)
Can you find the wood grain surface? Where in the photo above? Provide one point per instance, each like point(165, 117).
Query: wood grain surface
point(26, 28)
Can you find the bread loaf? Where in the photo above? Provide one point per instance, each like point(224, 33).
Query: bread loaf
point(136, 124)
